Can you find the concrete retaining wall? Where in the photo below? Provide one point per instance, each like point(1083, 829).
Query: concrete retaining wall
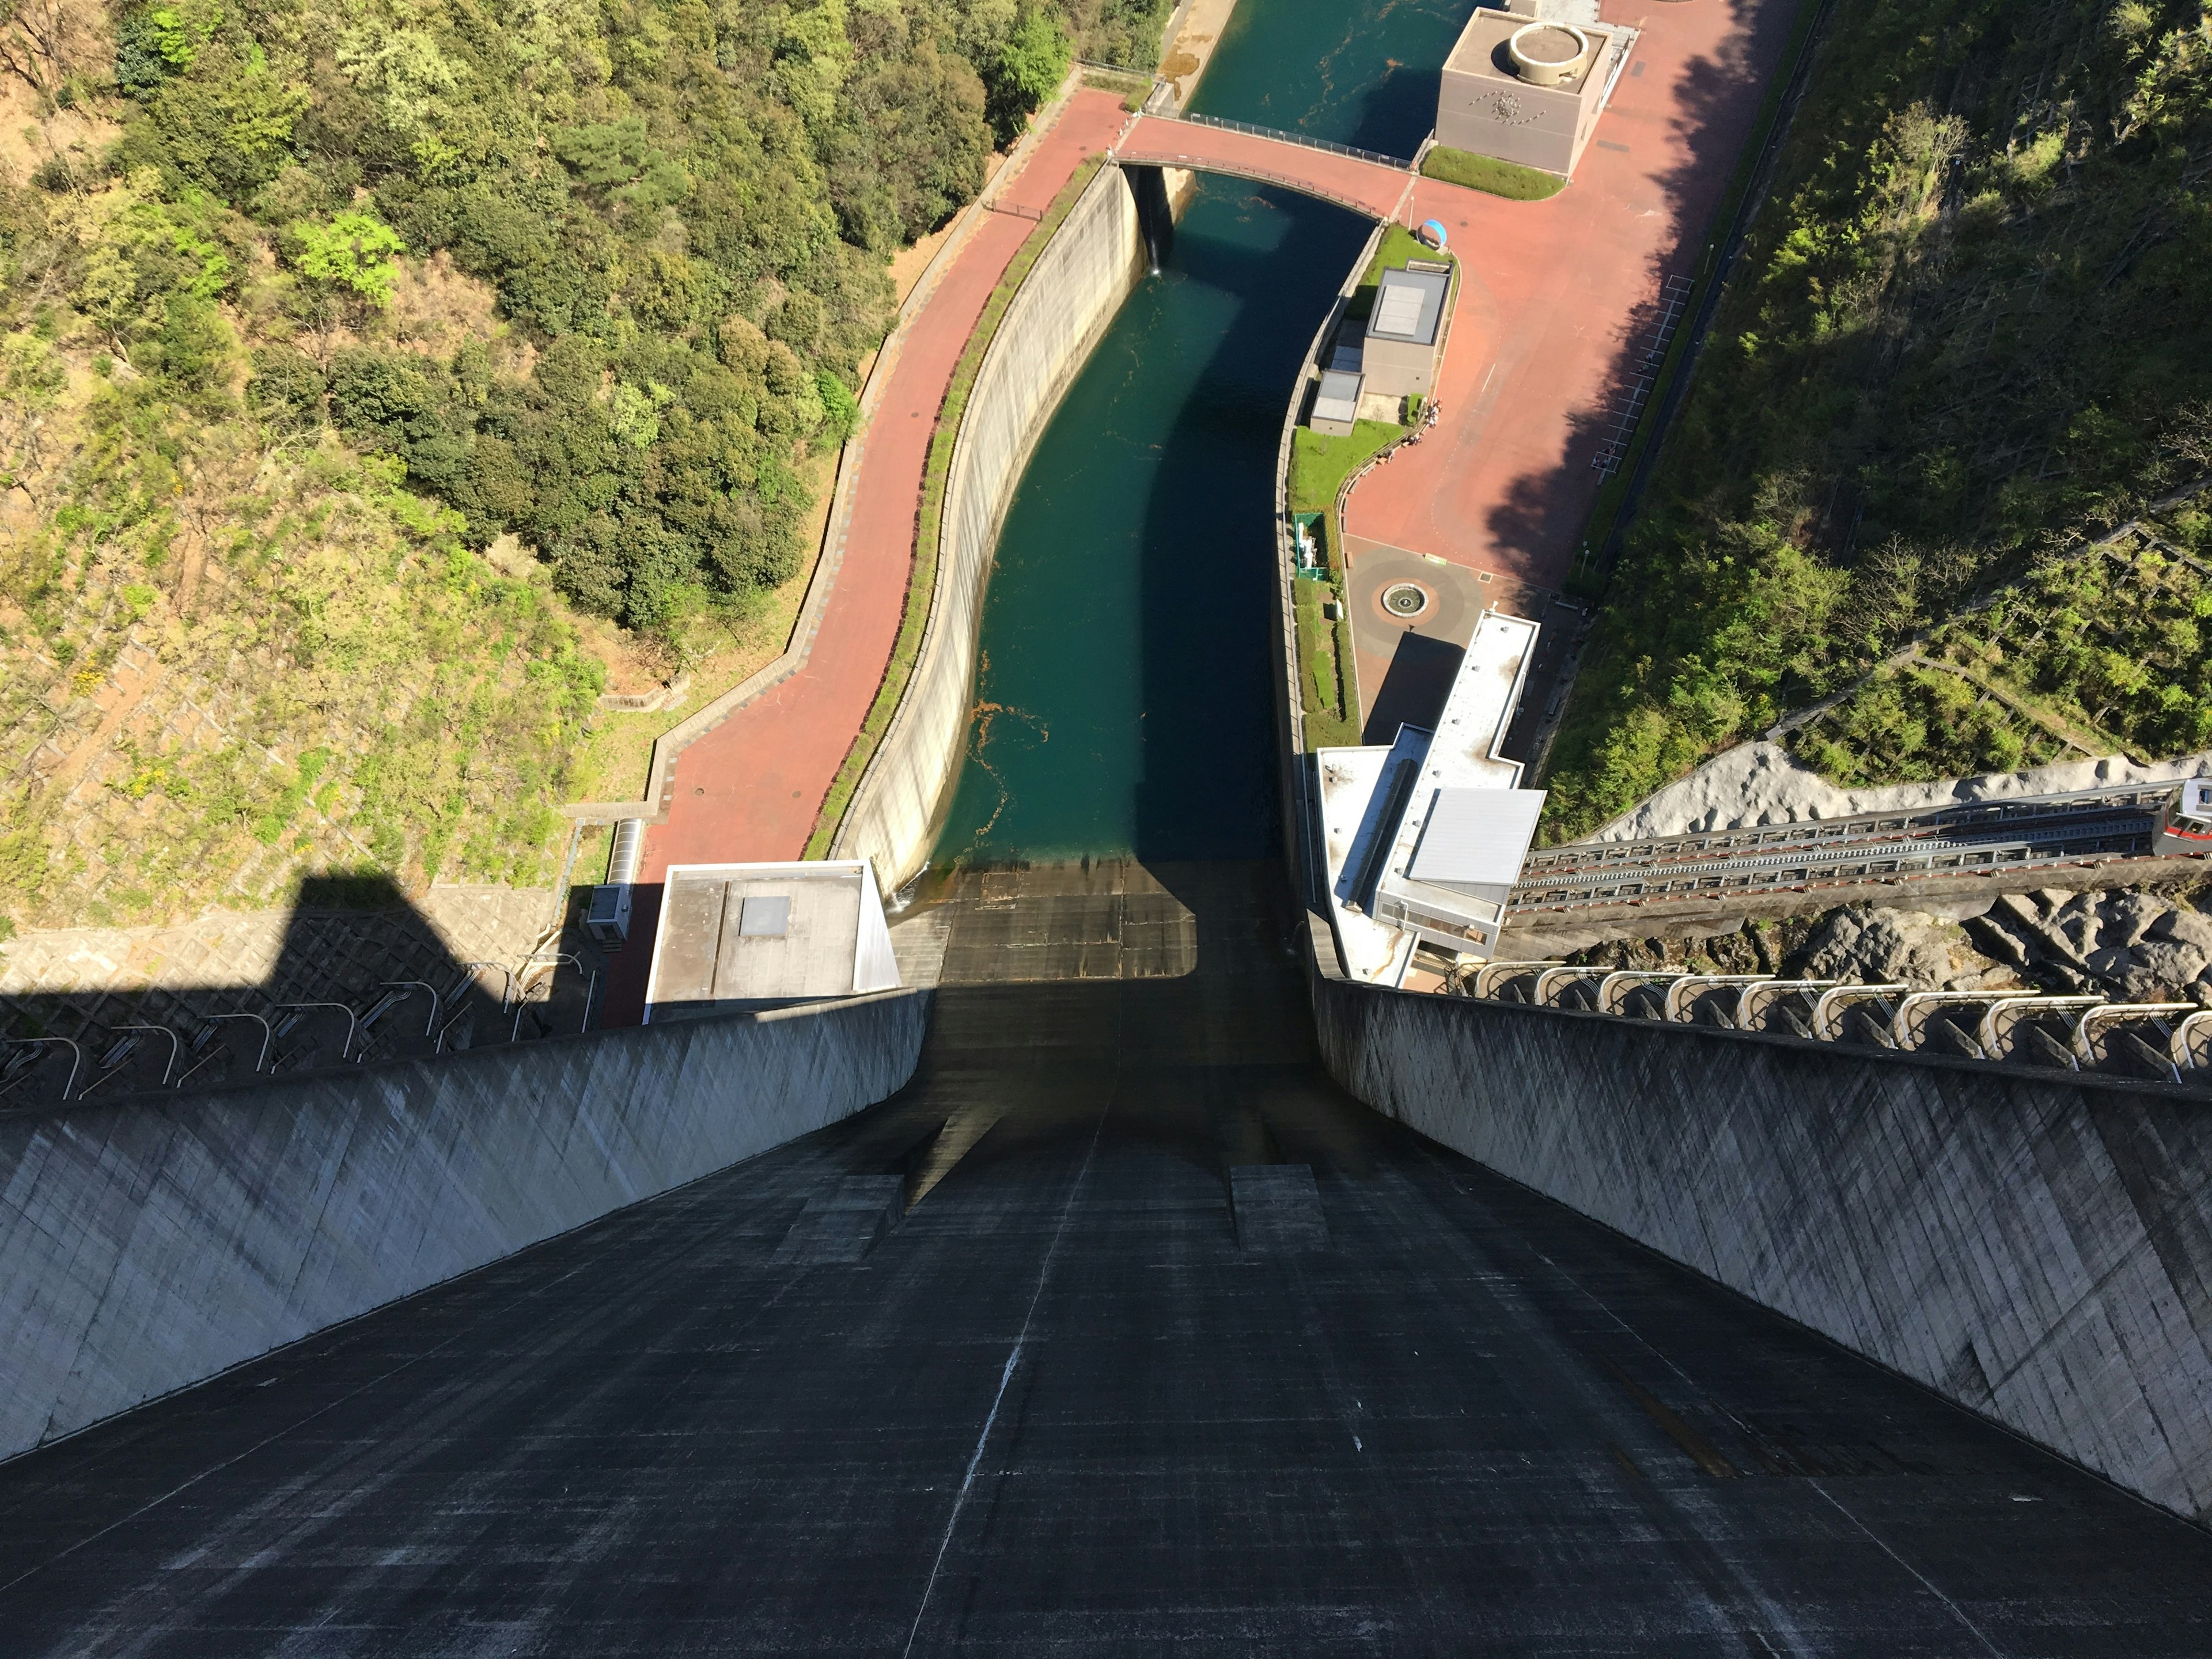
point(148, 1245)
point(2040, 1251)
point(1072, 292)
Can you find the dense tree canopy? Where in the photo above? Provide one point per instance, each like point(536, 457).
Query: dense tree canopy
point(1973, 322)
point(307, 306)
point(684, 204)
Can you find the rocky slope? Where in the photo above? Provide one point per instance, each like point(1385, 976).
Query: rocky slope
point(2130, 945)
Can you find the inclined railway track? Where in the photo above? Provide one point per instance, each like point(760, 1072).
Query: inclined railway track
point(2020, 833)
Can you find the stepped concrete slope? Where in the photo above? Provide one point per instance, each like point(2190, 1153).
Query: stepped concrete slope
point(153, 1242)
point(1049, 1403)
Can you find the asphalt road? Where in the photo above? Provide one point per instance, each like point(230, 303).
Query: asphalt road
point(1057, 1408)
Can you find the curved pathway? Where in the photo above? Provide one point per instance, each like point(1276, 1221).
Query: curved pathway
point(749, 789)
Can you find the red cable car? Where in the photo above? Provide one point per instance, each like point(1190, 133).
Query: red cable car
point(2185, 823)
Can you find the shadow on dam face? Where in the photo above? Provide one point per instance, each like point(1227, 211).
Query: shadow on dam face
point(1120, 1329)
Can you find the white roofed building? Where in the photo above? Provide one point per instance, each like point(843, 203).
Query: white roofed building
point(735, 937)
point(1425, 839)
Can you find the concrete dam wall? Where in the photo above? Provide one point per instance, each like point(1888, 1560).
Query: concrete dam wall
point(152, 1243)
point(1070, 294)
point(2038, 1250)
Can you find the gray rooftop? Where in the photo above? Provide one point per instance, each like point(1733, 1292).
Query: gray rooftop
point(1408, 306)
point(1478, 836)
point(1339, 397)
point(736, 936)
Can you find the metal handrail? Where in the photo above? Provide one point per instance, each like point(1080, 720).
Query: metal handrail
point(1551, 977)
point(506, 991)
point(176, 1047)
point(1487, 975)
point(1396, 163)
point(427, 988)
point(2085, 1049)
point(76, 1056)
point(1749, 1012)
point(353, 1021)
point(1995, 1033)
point(1823, 1010)
point(267, 1036)
point(1907, 1033)
point(1696, 985)
point(1617, 984)
point(2184, 1042)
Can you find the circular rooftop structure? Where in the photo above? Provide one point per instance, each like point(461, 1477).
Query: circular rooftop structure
point(1545, 54)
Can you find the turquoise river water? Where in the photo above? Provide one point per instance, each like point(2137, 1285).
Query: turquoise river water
point(1123, 702)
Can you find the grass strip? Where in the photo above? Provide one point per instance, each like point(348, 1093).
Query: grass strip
point(1324, 652)
point(1485, 173)
point(937, 471)
point(1584, 579)
point(1132, 89)
point(1320, 463)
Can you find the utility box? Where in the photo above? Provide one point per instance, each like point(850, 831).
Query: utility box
point(606, 919)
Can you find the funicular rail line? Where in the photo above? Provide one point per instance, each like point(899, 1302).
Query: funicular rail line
point(2019, 833)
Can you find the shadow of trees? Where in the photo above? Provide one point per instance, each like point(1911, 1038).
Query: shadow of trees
point(1716, 102)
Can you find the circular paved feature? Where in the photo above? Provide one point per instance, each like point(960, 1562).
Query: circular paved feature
point(1405, 600)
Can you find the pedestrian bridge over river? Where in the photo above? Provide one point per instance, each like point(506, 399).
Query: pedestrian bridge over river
point(1378, 186)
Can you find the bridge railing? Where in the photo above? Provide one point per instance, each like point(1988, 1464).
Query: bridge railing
point(1396, 163)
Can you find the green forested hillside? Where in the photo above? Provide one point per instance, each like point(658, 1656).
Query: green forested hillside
point(316, 311)
point(1972, 324)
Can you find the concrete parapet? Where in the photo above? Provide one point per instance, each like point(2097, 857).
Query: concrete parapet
point(1095, 260)
point(2039, 1250)
point(150, 1244)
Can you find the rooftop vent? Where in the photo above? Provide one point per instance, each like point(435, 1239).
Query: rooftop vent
point(1545, 54)
point(764, 918)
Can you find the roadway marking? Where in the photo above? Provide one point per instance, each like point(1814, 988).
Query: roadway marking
point(1005, 1377)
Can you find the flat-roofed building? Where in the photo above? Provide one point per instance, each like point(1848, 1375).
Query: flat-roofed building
point(1425, 840)
point(735, 937)
point(1525, 90)
point(1336, 403)
point(1398, 355)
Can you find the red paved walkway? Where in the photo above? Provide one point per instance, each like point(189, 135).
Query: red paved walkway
point(748, 790)
point(1362, 185)
point(1554, 293)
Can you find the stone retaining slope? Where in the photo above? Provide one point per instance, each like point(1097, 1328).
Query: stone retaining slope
point(2039, 1250)
point(148, 1245)
point(1093, 263)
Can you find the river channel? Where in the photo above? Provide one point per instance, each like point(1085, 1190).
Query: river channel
point(1123, 701)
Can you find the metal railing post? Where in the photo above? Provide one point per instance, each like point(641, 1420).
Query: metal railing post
point(76, 1057)
point(353, 1022)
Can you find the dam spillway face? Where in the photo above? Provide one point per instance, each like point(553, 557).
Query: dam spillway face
point(1122, 1298)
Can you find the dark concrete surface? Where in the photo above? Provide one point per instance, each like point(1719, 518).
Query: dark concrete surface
point(1057, 1408)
